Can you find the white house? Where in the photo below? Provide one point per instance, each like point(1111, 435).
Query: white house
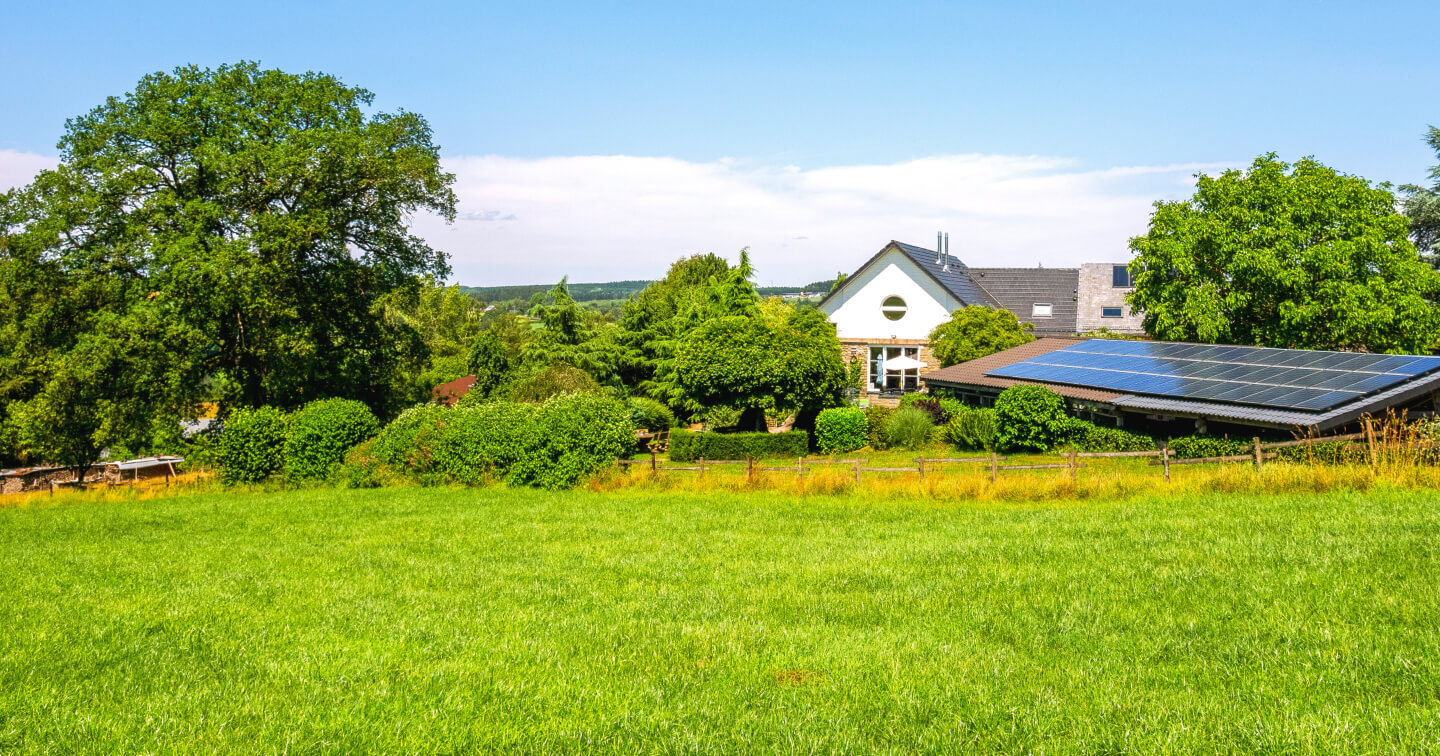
point(887, 309)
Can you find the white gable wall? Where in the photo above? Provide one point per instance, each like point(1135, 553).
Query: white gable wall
point(855, 310)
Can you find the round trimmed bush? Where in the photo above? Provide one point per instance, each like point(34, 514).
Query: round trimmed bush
point(842, 429)
point(1029, 418)
point(252, 445)
point(909, 428)
point(321, 432)
point(876, 420)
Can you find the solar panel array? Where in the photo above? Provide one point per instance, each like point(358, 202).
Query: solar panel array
point(1289, 378)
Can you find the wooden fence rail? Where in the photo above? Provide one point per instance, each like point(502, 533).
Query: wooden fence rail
point(1164, 457)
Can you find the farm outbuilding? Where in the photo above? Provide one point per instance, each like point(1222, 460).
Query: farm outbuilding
point(1204, 387)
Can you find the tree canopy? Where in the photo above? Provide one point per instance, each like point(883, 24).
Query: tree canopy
point(975, 331)
point(1422, 207)
point(1288, 256)
point(217, 234)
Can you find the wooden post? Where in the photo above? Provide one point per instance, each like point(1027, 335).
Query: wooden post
point(750, 472)
point(800, 468)
point(1370, 442)
point(1074, 470)
point(702, 467)
point(1258, 455)
point(994, 466)
point(857, 472)
point(921, 462)
point(1165, 458)
point(653, 465)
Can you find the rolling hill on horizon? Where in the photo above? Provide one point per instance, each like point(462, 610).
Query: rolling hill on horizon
point(590, 292)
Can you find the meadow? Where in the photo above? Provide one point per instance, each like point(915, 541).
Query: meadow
point(720, 621)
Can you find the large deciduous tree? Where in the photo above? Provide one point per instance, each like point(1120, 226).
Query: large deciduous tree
point(1285, 256)
point(1422, 207)
point(214, 234)
point(975, 331)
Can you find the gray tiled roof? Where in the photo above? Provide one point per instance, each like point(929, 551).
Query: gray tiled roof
point(1020, 289)
point(956, 280)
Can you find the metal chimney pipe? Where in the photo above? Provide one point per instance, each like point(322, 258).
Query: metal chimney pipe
point(947, 252)
point(937, 247)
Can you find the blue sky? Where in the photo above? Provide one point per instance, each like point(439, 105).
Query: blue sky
point(619, 137)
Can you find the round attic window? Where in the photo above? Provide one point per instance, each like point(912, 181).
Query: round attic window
point(893, 307)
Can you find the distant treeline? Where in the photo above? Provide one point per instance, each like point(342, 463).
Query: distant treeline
point(590, 292)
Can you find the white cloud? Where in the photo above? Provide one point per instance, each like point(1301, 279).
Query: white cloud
point(599, 218)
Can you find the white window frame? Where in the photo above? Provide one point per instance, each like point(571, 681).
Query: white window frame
point(886, 309)
point(1049, 311)
point(903, 380)
point(1119, 312)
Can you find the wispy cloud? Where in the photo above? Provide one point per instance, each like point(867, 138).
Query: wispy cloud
point(621, 217)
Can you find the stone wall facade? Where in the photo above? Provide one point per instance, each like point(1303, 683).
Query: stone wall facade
point(1097, 291)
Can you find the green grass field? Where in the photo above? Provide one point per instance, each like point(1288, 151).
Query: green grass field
point(431, 620)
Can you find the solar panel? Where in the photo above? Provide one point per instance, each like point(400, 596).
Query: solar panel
point(1259, 376)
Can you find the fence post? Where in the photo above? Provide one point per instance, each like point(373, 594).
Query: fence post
point(1370, 442)
point(857, 472)
point(750, 474)
point(1258, 455)
point(994, 466)
point(653, 465)
point(921, 462)
point(800, 468)
point(1165, 457)
point(1074, 470)
point(702, 467)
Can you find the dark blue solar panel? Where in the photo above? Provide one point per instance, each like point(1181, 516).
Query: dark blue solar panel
point(1279, 378)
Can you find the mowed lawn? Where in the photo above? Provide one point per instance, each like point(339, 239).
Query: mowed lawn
point(451, 621)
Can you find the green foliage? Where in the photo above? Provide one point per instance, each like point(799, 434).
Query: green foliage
point(975, 331)
point(688, 446)
point(440, 323)
point(252, 445)
point(1088, 436)
point(909, 428)
point(548, 382)
point(1204, 445)
point(1286, 256)
point(554, 444)
point(841, 429)
point(972, 428)
point(1029, 418)
point(226, 234)
point(941, 407)
point(570, 335)
point(490, 362)
point(1422, 207)
point(650, 414)
point(321, 432)
point(877, 417)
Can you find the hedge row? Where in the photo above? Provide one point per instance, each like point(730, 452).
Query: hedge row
point(257, 444)
point(688, 446)
point(555, 444)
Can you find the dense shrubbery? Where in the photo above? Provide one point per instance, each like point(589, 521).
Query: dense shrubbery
point(320, 433)
point(1202, 445)
point(842, 429)
point(649, 414)
point(252, 445)
point(941, 408)
point(688, 446)
point(1098, 438)
point(1029, 418)
point(909, 428)
point(972, 428)
point(555, 444)
point(550, 382)
point(876, 420)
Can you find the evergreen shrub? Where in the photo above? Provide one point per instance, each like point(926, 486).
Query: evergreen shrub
point(321, 432)
point(972, 428)
point(650, 414)
point(877, 418)
point(909, 428)
point(841, 429)
point(252, 445)
point(1204, 445)
point(688, 446)
point(1097, 438)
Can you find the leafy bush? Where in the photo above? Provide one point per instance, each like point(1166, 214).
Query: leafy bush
point(972, 428)
point(1203, 445)
point(688, 446)
point(909, 428)
point(876, 420)
point(1029, 417)
point(649, 414)
point(549, 382)
point(252, 445)
point(550, 445)
point(842, 429)
point(947, 406)
point(1097, 438)
point(321, 432)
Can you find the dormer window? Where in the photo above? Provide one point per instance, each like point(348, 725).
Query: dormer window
point(1042, 310)
point(893, 307)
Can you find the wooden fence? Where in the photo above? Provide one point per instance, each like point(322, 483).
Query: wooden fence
point(1163, 457)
